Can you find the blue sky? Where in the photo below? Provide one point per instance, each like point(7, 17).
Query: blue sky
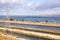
point(31, 7)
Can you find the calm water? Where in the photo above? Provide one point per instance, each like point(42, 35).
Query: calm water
point(33, 18)
point(31, 26)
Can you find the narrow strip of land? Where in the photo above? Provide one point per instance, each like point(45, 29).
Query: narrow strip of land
point(33, 34)
point(33, 23)
point(9, 37)
point(33, 29)
point(36, 29)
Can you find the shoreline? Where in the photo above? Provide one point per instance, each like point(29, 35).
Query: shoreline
point(35, 29)
point(33, 34)
point(57, 25)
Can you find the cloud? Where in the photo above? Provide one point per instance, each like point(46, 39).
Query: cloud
point(48, 4)
point(12, 1)
point(32, 5)
point(37, 6)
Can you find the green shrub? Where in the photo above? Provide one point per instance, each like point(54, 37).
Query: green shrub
point(1, 30)
point(11, 19)
point(22, 20)
point(46, 21)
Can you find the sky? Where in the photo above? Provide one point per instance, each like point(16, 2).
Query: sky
point(30, 7)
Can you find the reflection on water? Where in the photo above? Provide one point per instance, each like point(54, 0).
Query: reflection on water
point(22, 36)
point(30, 26)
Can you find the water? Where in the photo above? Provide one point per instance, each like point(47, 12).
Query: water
point(33, 18)
point(31, 26)
point(22, 36)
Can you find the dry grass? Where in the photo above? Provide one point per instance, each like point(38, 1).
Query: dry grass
point(32, 34)
point(6, 37)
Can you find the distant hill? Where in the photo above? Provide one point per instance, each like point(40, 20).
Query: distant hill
point(51, 15)
point(54, 15)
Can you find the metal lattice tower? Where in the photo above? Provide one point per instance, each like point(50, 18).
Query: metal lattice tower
point(7, 13)
point(7, 9)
